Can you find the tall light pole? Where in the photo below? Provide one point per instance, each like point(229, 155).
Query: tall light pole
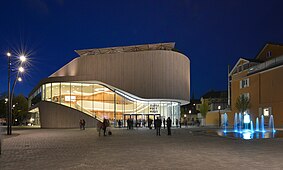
point(22, 59)
point(219, 116)
point(9, 132)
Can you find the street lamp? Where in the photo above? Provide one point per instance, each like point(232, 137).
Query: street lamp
point(22, 59)
point(219, 115)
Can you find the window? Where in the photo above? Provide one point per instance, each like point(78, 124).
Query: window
point(240, 68)
point(266, 111)
point(268, 54)
point(244, 83)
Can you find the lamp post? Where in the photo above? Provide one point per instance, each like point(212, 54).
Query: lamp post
point(22, 59)
point(219, 116)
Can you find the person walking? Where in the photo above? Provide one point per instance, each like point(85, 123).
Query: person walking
point(83, 124)
point(104, 126)
point(158, 126)
point(128, 123)
point(169, 123)
point(119, 123)
point(177, 123)
point(164, 122)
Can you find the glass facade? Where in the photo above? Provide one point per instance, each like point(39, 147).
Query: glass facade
point(101, 102)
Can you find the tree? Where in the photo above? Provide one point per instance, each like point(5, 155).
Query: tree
point(3, 108)
point(204, 109)
point(20, 111)
point(242, 103)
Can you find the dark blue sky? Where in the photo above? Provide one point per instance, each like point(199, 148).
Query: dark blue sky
point(212, 33)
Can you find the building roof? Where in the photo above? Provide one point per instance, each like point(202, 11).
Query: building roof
point(215, 94)
point(195, 101)
point(110, 50)
point(264, 47)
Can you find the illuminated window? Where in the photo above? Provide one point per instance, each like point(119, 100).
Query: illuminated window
point(55, 92)
point(266, 111)
point(48, 92)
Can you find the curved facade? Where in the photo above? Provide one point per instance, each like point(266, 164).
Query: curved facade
point(138, 82)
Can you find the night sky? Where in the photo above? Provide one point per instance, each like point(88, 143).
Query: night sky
point(212, 34)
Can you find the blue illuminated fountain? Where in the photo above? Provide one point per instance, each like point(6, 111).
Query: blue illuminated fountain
point(244, 127)
point(271, 123)
point(257, 125)
point(262, 123)
point(240, 123)
point(225, 122)
point(236, 122)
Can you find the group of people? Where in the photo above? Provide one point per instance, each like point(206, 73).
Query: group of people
point(130, 123)
point(105, 126)
point(158, 123)
point(82, 124)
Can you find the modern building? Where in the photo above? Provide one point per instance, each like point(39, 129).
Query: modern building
point(139, 82)
point(260, 80)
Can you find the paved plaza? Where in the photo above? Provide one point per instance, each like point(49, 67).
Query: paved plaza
point(136, 149)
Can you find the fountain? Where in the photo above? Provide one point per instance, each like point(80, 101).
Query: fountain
point(262, 123)
point(252, 127)
point(271, 123)
point(240, 123)
point(257, 125)
point(244, 127)
point(236, 122)
point(225, 122)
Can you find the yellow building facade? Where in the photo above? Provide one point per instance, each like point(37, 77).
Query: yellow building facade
point(261, 80)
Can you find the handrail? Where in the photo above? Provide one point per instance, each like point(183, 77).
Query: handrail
point(80, 108)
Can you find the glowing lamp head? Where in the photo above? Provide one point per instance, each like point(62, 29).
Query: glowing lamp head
point(219, 107)
point(20, 79)
point(9, 54)
point(23, 58)
point(21, 69)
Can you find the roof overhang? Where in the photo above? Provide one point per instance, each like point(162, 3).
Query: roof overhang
point(133, 48)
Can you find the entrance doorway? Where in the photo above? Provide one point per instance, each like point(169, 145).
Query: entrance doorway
point(140, 120)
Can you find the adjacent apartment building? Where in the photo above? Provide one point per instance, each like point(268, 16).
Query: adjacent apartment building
point(261, 80)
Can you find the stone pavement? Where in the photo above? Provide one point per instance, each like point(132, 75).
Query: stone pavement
point(136, 149)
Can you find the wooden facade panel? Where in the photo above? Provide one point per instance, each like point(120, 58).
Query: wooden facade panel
point(156, 74)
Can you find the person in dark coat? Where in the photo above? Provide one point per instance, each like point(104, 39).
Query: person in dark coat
point(154, 123)
point(164, 122)
point(83, 124)
point(177, 123)
point(104, 126)
point(158, 126)
point(169, 124)
point(128, 123)
point(149, 123)
point(119, 123)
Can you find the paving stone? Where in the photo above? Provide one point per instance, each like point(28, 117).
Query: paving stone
point(136, 149)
